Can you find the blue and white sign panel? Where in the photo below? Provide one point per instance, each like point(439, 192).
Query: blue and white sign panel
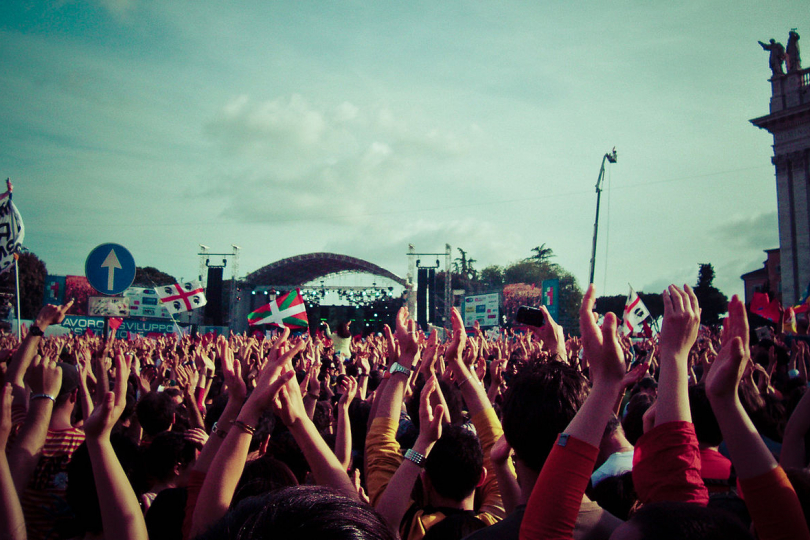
point(110, 269)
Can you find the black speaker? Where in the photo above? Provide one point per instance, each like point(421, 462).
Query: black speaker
point(213, 309)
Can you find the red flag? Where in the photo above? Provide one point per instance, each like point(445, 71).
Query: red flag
point(763, 306)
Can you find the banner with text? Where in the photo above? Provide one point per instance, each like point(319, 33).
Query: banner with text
point(482, 308)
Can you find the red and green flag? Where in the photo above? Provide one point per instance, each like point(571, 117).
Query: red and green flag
point(287, 310)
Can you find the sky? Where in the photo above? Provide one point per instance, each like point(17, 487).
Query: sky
point(359, 127)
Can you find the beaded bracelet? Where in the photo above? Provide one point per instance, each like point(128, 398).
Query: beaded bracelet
point(43, 396)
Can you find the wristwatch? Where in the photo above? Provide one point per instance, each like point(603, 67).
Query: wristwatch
point(415, 457)
point(36, 331)
point(396, 367)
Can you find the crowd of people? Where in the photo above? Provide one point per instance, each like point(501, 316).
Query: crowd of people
point(693, 433)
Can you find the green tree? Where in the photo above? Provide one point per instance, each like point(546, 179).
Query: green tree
point(150, 277)
point(542, 254)
point(492, 277)
point(713, 303)
point(32, 283)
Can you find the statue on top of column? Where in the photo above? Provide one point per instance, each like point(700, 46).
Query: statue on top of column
point(792, 57)
point(777, 51)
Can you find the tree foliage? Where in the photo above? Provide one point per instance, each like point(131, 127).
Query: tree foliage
point(712, 302)
point(150, 277)
point(521, 283)
point(32, 283)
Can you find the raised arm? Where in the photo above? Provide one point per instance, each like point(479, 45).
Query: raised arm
point(218, 489)
point(45, 378)
point(793, 446)
point(678, 334)
point(48, 315)
point(771, 500)
point(343, 437)
point(120, 511)
point(397, 496)
point(325, 467)
point(12, 522)
point(557, 494)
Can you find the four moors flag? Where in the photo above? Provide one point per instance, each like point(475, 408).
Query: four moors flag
point(287, 310)
point(182, 297)
point(634, 313)
point(12, 231)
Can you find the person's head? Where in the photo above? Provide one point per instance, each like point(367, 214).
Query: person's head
point(155, 412)
point(68, 391)
point(681, 521)
point(455, 465)
point(706, 427)
point(262, 476)
point(343, 329)
point(168, 458)
point(633, 420)
point(540, 402)
point(81, 494)
point(300, 513)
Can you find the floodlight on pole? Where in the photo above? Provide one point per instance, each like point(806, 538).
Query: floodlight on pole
point(611, 158)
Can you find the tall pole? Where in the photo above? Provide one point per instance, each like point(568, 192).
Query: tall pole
point(611, 157)
point(17, 282)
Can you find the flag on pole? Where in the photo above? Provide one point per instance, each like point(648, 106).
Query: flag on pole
point(182, 297)
point(12, 231)
point(287, 310)
point(635, 312)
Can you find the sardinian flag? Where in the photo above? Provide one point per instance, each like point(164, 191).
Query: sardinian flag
point(12, 230)
point(182, 297)
point(635, 312)
point(287, 310)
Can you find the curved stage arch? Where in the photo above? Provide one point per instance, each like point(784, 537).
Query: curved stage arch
point(301, 269)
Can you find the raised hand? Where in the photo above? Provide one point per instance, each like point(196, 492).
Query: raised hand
point(681, 322)
point(231, 371)
point(349, 388)
point(406, 335)
point(601, 345)
point(734, 356)
point(430, 418)
point(99, 425)
point(51, 314)
point(44, 376)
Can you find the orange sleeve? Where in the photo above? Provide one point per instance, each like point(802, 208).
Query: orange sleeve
point(557, 495)
point(774, 507)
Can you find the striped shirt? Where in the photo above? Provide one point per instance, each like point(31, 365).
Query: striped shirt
point(43, 501)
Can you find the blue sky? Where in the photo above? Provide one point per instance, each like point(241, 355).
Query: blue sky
point(358, 127)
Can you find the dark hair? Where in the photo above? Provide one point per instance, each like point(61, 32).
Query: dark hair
point(155, 412)
point(542, 399)
point(167, 450)
point(615, 494)
point(343, 330)
point(633, 421)
point(300, 513)
point(81, 494)
point(262, 476)
point(687, 521)
point(706, 427)
point(455, 464)
point(164, 520)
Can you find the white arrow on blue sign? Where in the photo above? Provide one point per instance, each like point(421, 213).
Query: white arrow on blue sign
point(110, 269)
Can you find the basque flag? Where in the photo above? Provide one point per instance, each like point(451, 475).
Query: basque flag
point(179, 298)
point(287, 310)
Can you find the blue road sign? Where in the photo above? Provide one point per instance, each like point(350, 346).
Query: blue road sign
point(110, 269)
